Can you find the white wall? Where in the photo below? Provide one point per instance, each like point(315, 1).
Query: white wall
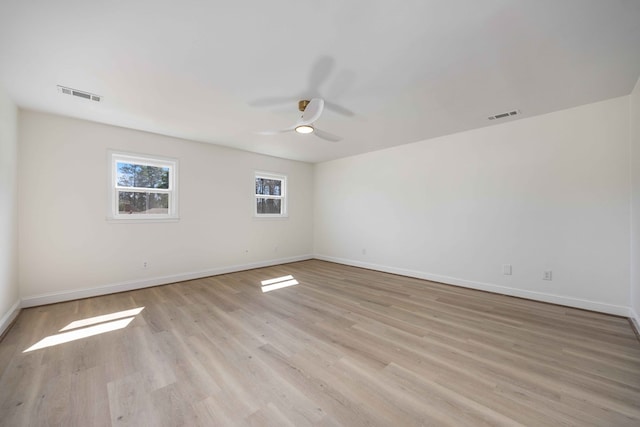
point(544, 193)
point(634, 116)
point(9, 295)
point(68, 250)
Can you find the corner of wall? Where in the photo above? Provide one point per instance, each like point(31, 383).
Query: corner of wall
point(634, 167)
point(9, 287)
point(9, 317)
point(635, 321)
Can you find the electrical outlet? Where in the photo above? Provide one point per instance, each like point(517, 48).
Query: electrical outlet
point(145, 265)
point(546, 275)
point(506, 269)
point(364, 251)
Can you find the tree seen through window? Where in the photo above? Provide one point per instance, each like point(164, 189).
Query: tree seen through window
point(139, 177)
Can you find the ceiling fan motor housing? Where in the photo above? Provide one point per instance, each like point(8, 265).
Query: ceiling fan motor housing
point(302, 104)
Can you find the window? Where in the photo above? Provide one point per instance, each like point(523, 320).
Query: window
point(143, 188)
point(270, 195)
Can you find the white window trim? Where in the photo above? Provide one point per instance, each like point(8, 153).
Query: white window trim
point(113, 158)
point(283, 191)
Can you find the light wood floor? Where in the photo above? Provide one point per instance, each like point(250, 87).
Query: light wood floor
point(345, 346)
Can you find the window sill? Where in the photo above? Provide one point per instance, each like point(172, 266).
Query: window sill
point(113, 220)
point(270, 217)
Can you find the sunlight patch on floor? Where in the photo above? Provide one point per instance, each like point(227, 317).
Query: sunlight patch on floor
point(278, 283)
point(100, 319)
point(82, 328)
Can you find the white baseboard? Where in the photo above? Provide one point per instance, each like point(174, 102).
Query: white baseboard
point(51, 298)
point(10, 316)
point(618, 310)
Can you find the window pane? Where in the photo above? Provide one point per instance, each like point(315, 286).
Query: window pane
point(268, 206)
point(268, 187)
point(143, 203)
point(134, 175)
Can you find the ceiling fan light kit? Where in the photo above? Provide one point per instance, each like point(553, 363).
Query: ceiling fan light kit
point(304, 129)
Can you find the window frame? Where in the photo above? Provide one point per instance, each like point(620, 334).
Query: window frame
point(115, 157)
point(284, 197)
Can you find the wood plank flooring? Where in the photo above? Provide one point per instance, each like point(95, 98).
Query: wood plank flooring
point(344, 347)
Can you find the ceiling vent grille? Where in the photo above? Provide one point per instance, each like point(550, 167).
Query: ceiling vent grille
point(79, 93)
point(504, 115)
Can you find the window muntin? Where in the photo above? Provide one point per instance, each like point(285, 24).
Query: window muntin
point(143, 187)
point(270, 195)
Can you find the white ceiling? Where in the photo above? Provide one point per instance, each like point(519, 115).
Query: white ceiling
point(409, 70)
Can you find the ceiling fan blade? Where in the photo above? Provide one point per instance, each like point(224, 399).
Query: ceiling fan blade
point(339, 109)
point(342, 83)
point(326, 135)
point(275, 132)
point(312, 111)
point(320, 72)
point(273, 101)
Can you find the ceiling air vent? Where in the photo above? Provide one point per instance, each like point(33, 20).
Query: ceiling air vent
point(503, 115)
point(79, 93)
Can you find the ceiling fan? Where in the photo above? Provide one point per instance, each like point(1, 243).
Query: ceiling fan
point(311, 112)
